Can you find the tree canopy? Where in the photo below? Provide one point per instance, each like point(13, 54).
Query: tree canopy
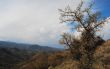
point(88, 22)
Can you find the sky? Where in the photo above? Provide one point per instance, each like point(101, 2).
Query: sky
point(37, 21)
point(104, 7)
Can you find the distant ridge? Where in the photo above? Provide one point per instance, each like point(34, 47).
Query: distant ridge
point(12, 53)
point(30, 47)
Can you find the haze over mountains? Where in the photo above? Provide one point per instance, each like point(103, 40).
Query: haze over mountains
point(31, 47)
point(12, 53)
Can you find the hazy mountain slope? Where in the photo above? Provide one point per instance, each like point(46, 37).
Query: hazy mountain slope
point(11, 56)
point(30, 47)
point(12, 53)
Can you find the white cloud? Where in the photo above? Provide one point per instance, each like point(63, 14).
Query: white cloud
point(32, 21)
point(35, 21)
point(106, 30)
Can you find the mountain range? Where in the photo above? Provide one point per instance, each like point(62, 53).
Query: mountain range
point(29, 47)
point(12, 53)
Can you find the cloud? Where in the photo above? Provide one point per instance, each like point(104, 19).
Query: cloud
point(32, 21)
point(106, 30)
point(35, 21)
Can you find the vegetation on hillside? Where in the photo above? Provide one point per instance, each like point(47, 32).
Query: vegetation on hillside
point(64, 60)
point(88, 23)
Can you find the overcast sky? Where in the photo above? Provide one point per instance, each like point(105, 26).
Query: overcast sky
point(33, 21)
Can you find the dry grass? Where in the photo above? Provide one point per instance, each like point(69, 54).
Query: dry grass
point(62, 60)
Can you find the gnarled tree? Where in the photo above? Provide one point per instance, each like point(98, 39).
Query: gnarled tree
point(87, 22)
